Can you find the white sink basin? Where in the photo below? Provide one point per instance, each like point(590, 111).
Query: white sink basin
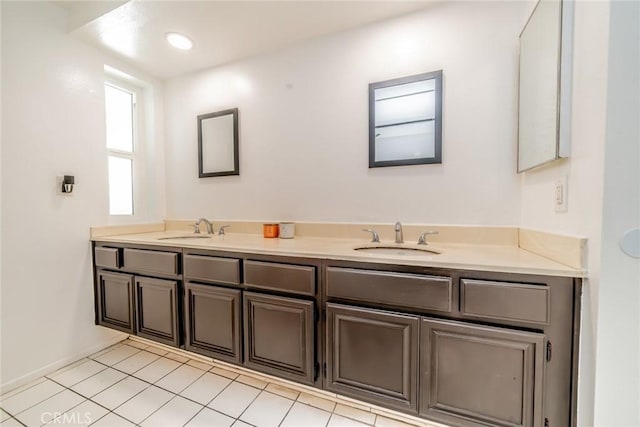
point(189, 236)
point(397, 249)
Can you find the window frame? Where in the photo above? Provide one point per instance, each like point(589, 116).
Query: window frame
point(136, 155)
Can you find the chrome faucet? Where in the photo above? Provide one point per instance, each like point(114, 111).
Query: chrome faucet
point(375, 238)
point(398, 229)
point(422, 240)
point(206, 221)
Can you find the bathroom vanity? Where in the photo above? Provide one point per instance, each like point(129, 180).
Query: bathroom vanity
point(462, 346)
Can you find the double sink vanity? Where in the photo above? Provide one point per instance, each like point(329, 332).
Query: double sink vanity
point(465, 335)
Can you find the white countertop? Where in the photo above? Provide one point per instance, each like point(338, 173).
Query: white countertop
point(498, 258)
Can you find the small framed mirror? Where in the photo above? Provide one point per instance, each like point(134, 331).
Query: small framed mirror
point(405, 121)
point(218, 144)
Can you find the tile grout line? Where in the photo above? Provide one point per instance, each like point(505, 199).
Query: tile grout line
point(288, 410)
point(90, 376)
point(178, 393)
point(87, 399)
point(155, 385)
point(37, 403)
point(149, 385)
point(212, 365)
point(169, 391)
point(127, 358)
point(195, 415)
point(108, 412)
point(245, 409)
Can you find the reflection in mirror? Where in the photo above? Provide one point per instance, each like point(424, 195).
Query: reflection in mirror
point(544, 87)
point(405, 121)
point(218, 144)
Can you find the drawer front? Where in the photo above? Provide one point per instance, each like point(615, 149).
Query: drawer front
point(296, 279)
point(397, 289)
point(151, 261)
point(505, 301)
point(107, 257)
point(212, 269)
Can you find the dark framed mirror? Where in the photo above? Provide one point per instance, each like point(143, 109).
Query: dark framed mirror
point(405, 121)
point(218, 144)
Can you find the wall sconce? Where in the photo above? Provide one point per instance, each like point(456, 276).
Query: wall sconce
point(66, 184)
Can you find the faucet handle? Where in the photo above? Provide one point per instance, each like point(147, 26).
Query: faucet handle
point(422, 239)
point(374, 235)
point(196, 228)
point(221, 230)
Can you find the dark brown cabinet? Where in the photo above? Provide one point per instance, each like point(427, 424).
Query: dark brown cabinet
point(481, 375)
point(461, 347)
point(279, 336)
point(115, 301)
point(213, 322)
point(129, 301)
point(373, 355)
point(157, 310)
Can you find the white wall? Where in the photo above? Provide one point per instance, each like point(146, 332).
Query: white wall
point(605, 72)
point(52, 124)
point(617, 385)
point(304, 125)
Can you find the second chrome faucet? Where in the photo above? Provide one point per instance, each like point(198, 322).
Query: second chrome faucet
point(398, 230)
point(207, 222)
point(375, 238)
point(210, 230)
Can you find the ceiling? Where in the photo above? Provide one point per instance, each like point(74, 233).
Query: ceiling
point(222, 31)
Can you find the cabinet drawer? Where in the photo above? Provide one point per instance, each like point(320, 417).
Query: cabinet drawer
point(505, 301)
point(107, 257)
point(151, 261)
point(213, 269)
point(296, 279)
point(396, 289)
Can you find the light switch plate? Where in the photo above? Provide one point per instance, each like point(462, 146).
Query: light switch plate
point(560, 195)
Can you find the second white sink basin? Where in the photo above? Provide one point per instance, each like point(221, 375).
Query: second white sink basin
point(399, 249)
point(190, 236)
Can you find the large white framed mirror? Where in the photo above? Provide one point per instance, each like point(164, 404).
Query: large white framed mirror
point(218, 151)
point(544, 95)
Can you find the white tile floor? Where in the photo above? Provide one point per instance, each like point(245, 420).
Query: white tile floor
point(134, 384)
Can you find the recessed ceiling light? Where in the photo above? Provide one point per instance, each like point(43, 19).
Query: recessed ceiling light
point(179, 41)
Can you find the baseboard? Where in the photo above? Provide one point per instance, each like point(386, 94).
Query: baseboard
point(52, 367)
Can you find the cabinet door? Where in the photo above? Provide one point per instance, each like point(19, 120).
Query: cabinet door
point(115, 301)
point(480, 375)
point(279, 336)
point(157, 310)
point(373, 355)
point(212, 320)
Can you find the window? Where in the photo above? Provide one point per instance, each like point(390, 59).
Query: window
point(120, 106)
